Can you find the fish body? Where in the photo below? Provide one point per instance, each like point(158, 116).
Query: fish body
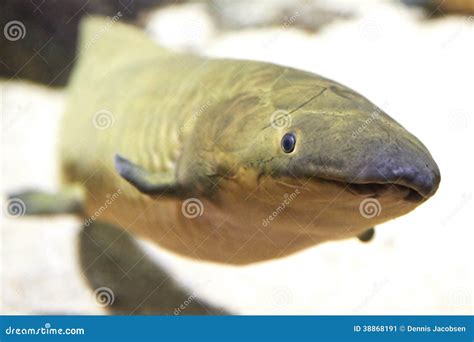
point(225, 160)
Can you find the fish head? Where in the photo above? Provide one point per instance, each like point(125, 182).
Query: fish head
point(310, 161)
point(352, 164)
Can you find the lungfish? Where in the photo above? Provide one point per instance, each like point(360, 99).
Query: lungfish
point(225, 160)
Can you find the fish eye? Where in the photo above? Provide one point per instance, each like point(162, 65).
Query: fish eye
point(288, 142)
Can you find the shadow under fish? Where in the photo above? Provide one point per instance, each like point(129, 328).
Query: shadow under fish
point(131, 282)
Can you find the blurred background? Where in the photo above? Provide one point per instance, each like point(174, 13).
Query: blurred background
point(413, 58)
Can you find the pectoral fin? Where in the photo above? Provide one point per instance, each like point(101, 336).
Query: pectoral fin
point(160, 184)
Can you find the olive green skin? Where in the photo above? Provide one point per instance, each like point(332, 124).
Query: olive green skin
point(212, 128)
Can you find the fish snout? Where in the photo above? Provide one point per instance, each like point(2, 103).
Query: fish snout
point(421, 177)
point(404, 164)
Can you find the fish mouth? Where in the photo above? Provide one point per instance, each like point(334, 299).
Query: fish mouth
point(414, 183)
point(368, 190)
point(375, 190)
